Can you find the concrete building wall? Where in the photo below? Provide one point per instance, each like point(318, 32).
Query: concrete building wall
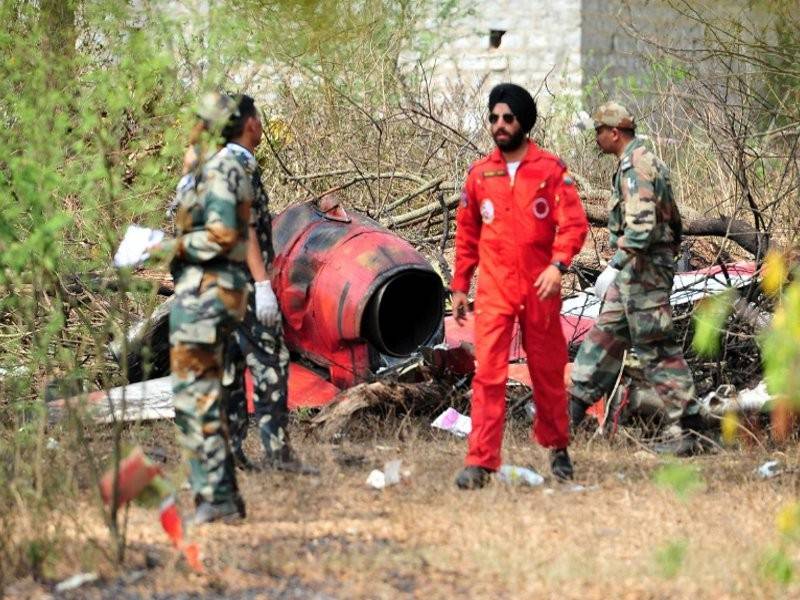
point(542, 40)
point(613, 39)
point(578, 46)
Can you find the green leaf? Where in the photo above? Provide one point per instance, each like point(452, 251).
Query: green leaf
point(778, 567)
point(669, 558)
point(684, 480)
point(709, 318)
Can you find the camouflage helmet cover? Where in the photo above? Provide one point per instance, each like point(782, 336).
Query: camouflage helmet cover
point(217, 109)
point(613, 114)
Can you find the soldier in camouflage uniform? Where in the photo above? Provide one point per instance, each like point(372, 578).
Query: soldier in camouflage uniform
point(258, 340)
point(211, 278)
point(645, 230)
point(260, 344)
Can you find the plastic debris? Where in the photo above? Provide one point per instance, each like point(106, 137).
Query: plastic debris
point(390, 475)
point(135, 473)
point(453, 421)
point(754, 399)
point(726, 399)
point(521, 476)
point(76, 581)
point(172, 524)
point(574, 488)
point(391, 472)
point(577, 488)
point(769, 469)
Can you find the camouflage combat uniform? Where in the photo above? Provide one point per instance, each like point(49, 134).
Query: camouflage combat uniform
point(645, 230)
point(210, 299)
point(262, 348)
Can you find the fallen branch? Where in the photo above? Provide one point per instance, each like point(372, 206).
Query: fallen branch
point(415, 216)
point(740, 232)
point(419, 191)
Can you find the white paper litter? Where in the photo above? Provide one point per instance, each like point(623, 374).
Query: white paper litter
point(133, 249)
point(453, 421)
point(769, 469)
point(389, 476)
point(75, 582)
point(376, 479)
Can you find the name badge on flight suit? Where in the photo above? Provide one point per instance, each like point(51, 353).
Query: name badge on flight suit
point(487, 211)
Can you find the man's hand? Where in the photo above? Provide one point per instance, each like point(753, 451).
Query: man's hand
point(605, 279)
point(548, 284)
point(459, 303)
point(267, 311)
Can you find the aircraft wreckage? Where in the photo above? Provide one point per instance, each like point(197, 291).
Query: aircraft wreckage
point(358, 302)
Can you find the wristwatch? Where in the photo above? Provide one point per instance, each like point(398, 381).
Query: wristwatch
point(560, 266)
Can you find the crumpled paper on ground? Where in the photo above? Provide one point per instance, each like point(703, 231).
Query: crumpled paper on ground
point(389, 476)
point(453, 421)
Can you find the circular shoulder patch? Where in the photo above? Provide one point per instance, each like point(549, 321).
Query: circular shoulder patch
point(541, 208)
point(487, 211)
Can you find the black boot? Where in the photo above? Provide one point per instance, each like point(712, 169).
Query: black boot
point(472, 478)
point(560, 464)
point(686, 444)
point(243, 463)
point(577, 413)
point(227, 511)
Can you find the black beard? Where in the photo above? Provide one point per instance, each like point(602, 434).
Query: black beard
point(512, 143)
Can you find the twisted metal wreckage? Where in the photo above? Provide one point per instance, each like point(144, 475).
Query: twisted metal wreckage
point(362, 307)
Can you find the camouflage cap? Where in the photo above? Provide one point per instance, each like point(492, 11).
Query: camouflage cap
point(216, 109)
point(613, 114)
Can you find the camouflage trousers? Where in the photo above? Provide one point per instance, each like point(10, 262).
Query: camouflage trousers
point(263, 350)
point(201, 321)
point(636, 315)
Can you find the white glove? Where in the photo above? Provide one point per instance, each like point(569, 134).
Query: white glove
point(267, 310)
point(605, 279)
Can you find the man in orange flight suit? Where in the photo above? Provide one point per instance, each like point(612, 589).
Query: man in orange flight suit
point(521, 220)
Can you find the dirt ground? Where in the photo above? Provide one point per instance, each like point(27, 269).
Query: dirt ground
point(616, 536)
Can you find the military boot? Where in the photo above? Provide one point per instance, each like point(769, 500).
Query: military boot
point(688, 443)
point(560, 464)
point(287, 461)
point(473, 478)
point(243, 463)
point(577, 414)
point(227, 511)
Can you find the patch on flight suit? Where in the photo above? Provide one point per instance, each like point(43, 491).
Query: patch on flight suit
point(568, 180)
point(498, 173)
point(487, 211)
point(541, 208)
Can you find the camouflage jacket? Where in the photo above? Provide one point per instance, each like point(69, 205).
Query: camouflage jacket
point(260, 217)
point(212, 221)
point(642, 215)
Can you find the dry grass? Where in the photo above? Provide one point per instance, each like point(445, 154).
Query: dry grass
point(335, 537)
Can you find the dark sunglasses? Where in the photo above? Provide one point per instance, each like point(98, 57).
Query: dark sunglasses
point(508, 118)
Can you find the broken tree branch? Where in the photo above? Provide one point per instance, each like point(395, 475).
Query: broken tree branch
point(740, 232)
